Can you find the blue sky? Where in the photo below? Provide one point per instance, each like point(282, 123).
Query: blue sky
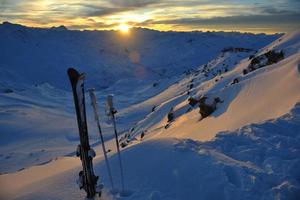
point(237, 15)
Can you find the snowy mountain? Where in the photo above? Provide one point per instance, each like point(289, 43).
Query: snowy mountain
point(246, 149)
point(43, 55)
point(35, 93)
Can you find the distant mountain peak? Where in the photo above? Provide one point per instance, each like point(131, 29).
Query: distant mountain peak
point(59, 28)
point(9, 24)
point(6, 23)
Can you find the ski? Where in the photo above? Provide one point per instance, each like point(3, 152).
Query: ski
point(96, 117)
point(87, 178)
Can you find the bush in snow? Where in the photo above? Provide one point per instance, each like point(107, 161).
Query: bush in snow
point(269, 58)
point(205, 108)
point(153, 108)
point(208, 105)
point(235, 81)
point(142, 134)
point(171, 115)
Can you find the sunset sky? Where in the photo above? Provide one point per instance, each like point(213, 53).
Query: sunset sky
point(227, 15)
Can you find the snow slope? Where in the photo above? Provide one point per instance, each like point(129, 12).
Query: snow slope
point(258, 161)
point(37, 115)
point(247, 149)
point(264, 94)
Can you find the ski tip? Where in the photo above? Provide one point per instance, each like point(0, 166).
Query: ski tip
point(74, 74)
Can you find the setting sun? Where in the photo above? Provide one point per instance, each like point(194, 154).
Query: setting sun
point(124, 28)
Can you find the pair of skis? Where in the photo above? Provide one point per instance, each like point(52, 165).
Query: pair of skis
point(87, 178)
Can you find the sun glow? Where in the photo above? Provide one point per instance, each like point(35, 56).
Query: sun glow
point(124, 28)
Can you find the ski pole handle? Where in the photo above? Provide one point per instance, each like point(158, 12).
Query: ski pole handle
point(109, 106)
point(94, 103)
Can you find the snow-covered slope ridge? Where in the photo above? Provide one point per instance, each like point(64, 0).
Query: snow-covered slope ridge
point(253, 97)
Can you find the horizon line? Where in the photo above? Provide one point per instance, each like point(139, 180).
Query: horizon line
point(204, 30)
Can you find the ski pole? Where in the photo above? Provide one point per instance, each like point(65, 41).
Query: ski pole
point(111, 113)
point(95, 109)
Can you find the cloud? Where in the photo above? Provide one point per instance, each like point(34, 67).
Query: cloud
point(102, 11)
point(133, 3)
point(91, 25)
point(250, 19)
point(106, 14)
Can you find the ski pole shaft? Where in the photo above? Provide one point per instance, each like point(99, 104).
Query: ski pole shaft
point(95, 108)
point(118, 149)
point(106, 158)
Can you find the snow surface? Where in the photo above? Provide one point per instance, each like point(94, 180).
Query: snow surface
point(37, 119)
point(261, 95)
point(259, 161)
point(247, 149)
